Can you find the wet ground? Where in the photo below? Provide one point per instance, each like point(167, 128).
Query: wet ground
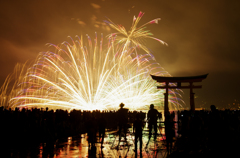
point(78, 147)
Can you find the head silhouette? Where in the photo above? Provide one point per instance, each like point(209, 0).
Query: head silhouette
point(151, 106)
point(213, 108)
point(121, 105)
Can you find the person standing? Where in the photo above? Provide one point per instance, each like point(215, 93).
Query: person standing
point(169, 132)
point(122, 114)
point(137, 130)
point(102, 126)
point(152, 117)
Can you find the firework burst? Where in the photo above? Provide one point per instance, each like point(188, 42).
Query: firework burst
point(136, 35)
point(91, 76)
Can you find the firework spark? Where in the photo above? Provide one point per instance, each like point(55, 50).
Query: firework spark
point(136, 35)
point(91, 76)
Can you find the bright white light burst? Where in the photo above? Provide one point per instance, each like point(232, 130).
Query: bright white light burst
point(96, 75)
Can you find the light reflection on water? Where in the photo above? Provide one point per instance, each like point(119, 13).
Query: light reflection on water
point(77, 147)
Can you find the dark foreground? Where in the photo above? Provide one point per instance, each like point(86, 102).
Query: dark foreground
point(42, 133)
point(78, 147)
point(204, 134)
point(37, 133)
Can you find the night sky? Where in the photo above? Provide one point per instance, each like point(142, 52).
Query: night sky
point(202, 36)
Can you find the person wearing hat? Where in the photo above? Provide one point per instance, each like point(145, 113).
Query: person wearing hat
point(122, 121)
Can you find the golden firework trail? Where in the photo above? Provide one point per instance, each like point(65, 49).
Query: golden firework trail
point(136, 35)
point(91, 76)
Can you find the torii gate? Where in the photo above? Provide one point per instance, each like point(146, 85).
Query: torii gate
point(178, 80)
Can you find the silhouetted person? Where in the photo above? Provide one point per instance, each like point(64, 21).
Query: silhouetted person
point(102, 126)
point(91, 131)
point(137, 130)
point(122, 114)
point(169, 132)
point(213, 108)
point(214, 128)
point(92, 152)
point(152, 117)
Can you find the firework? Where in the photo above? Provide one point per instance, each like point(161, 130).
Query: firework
point(136, 35)
point(91, 76)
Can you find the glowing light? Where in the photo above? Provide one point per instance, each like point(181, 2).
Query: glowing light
point(136, 35)
point(92, 76)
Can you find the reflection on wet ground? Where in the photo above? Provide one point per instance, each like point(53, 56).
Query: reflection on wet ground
point(77, 147)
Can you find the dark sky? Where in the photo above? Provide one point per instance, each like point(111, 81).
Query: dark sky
point(203, 36)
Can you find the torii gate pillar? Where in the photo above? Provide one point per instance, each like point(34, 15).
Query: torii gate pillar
point(176, 83)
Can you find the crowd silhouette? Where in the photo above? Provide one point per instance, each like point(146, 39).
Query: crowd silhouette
point(204, 132)
point(34, 126)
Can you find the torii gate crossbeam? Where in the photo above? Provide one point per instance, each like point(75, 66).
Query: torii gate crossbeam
point(176, 83)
